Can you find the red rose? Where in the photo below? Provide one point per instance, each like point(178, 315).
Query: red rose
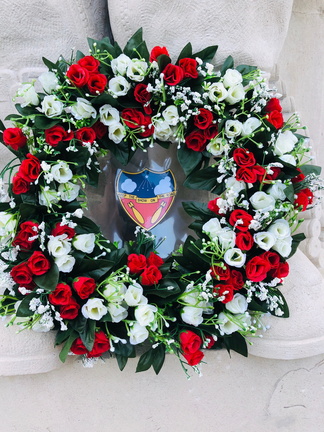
point(189, 67)
point(275, 173)
point(97, 83)
point(304, 198)
point(150, 276)
point(257, 269)
point(244, 158)
point(156, 52)
point(78, 348)
point(154, 259)
point(237, 280)
point(19, 185)
point(63, 229)
point(194, 358)
point(173, 74)
point(226, 291)
point(203, 119)
point(132, 118)
point(250, 174)
point(78, 75)
point(148, 127)
point(61, 295)
point(220, 273)
point(38, 263)
point(273, 105)
point(14, 138)
point(210, 340)
point(86, 135)
point(300, 177)
point(100, 129)
point(142, 96)
point(244, 240)
point(281, 271)
point(89, 63)
point(212, 206)
point(240, 219)
point(101, 345)
point(136, 263)
point(211, 131)
point(57, 134)
point(21, 274)
point(71, 310)
point(196, 141)
point(30, 168)
point(276, 119)
point(273, 259)
point(190, 342)
point(84, 286)
point(27, 230)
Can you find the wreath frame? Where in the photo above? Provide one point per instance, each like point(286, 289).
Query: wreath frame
point(43, 220)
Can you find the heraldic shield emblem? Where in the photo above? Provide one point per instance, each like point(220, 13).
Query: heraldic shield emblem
point(146, 196)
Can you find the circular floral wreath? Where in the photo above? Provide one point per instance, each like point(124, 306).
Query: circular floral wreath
point(59, 272)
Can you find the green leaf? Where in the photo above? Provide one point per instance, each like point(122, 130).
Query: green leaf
point(23, 309)
point(284, 306)
point(62, 336)
point(134, 44)
point(159, 357)
point(228, 64)
point(94, 268)
point(186, 52)
point(146, 361)
point(26, 111)
point(122, 361)
point(205, 179)
point(88, 335)
point(163, 289)
point(237, 343)
point(296, 239)
point(289, 191)
point(163, 60)
point(245, 69)
point(42, 122)
point(189, 159)
point(311, 169)
point(49, 280)
point(207, 54)
point(66, 348)
point(125, 350)
point(197, 210)
point(50, 65)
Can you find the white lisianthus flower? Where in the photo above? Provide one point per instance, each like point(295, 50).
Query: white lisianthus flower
point(226, 238)
point(51, 107)
point(61, 172)
point(285, 143)
point(84, 242)
point(48, 197)
point(238, 305)
point(68, 191)
point(109, 115)
point(145, 314)
point(170, 115)
point(264, 239)
point(232, 77)
point(65, 263)
point(288, 158)
point(83, 109)
point(116, 132)
point(137, 334)
point(216, 146)
point(28, 93)
point(119, 64)
point(117, 312)
point(114, 291)
point(134, 295)
point(262, 201)
point(217, 92)
point(119, 86)
point(233, 128)
point(250, 125)
point(280, 229)
point(59, 246)
point(212, 228)
point(235, 185)
point(226, 326)
point(94, 309)
point(277, 191)
point(162, 130)
point(192, 315)
point(49, 81)
point(235, 257)
point(283, 246)
point(7, 227)
point(136, 70)
point(235, 94)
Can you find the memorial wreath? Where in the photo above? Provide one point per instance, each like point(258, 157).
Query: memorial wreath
point(58, 272)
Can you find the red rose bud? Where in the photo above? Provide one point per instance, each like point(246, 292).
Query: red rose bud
point(281, 271)
point(276, 119)
point(194, 358)
point(21, 274)
point(237, 280)
point(211, 131)
point(273, 105)
point(78, 75)
point(244, 158)
point(150, 276)
point(38, 263)
point(71, 310)
point(61, 295)
point(57, 134)
point(136, 263)
point(142, 96)
point(154, 259)
point(212, 206)
point(132, 118)
point(19, 185)
point(300, 177)
point(84, 286)
point(250, 174)
point(100, 129)
point(190, 342)
point(257, 268)
point(27, 231)
point(226, 291)
point(14, 138)
point(196, 141)
point(97, 83)
point(78, 348)
point(63, 229)
point(275, 173)
point(173, 74)
point(240, 219)
point(273, 259)
point(156, 52)
point(304, 198)
point(30, 168)
point(220, 273)
point(89, 63)
point(204, 119)
point(210, 340)
point(86, 135)
point(244, 240)
point(101, 345)
point(189, 67)
point(148, 127)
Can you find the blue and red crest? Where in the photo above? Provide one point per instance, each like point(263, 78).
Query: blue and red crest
point(146, 196)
